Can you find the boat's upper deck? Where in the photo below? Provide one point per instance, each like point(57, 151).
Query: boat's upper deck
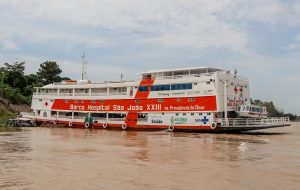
point(164, 74)
point(198, 81)
point(179, 73)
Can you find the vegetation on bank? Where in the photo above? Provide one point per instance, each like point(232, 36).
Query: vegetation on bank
point(17, 87)
point(273, 111)
point(5, 115)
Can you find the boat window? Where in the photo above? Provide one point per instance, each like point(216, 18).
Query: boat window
point(77, 115)
point(137, 101)
point(161, 100)
point(247, 108)
point(143, 115)
point(116, 115)
point(163, 87)
point(183, 86)
point(143, 88)
point(191, 99)
point(101, 115)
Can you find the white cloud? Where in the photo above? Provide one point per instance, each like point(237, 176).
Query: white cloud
point(295, 44)
point(9, 45)
point(196, 24)
point(188, 23)
point(126, 36)
point(274, 12)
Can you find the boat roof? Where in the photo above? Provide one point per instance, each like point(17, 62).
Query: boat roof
point(192, 69)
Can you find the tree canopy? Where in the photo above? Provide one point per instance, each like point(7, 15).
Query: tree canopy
point(14, 75)
point(18, 87)
point(273, 111)
point(49, 72)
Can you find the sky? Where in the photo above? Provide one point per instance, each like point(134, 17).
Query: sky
point(259, 38)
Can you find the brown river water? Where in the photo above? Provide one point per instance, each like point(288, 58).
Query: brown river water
point(58, 158)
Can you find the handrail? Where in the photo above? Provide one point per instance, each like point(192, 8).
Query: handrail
point(248, 122)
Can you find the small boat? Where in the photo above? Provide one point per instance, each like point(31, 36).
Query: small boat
point(252, 111)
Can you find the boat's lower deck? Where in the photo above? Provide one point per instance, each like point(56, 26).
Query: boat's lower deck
point(214, 127)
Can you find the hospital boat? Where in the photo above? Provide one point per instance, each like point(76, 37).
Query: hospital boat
point(201, 99)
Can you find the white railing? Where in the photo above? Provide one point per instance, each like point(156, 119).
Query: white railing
point(99, 94)
point(118, 93)
point(27, 114)
point(183, 76)
point(65, 94)
point(142, 120)
point(47, 93)
point(248, 122)
point(100, 118)
point(79, 117)
point(81, 94)
point(116, 119)
point(64, 117)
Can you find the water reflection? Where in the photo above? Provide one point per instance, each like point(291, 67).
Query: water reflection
point(108, 159)
point(14, 147)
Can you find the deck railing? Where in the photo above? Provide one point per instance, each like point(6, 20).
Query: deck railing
point(27, 114)
point(248, 122)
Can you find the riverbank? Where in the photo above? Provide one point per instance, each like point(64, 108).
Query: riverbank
point(5, 115)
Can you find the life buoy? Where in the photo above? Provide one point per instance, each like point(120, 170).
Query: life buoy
point(171, 128)
point(124, 126)
point(214, 125)
point(86, 125)
point(70, 123)
point(104, 125)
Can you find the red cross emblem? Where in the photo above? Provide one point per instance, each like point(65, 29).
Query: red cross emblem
point(235, 89)
point(46, 104)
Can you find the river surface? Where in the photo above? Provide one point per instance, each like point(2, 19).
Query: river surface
point(58, 158)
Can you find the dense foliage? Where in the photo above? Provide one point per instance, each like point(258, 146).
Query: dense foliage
point(18, 87)
point(273, 111)
point(49, 72)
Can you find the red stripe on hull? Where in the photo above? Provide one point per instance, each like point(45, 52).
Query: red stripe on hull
point(207, 103)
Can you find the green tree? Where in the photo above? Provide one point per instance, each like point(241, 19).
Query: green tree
point(14, 75)
point(32, 81)
point(49, 72)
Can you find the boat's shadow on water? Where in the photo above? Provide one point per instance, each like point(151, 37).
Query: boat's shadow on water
point(259, 133)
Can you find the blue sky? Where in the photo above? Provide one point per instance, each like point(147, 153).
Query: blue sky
point(259, 38)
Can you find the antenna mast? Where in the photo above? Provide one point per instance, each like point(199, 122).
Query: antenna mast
point(83, 67)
